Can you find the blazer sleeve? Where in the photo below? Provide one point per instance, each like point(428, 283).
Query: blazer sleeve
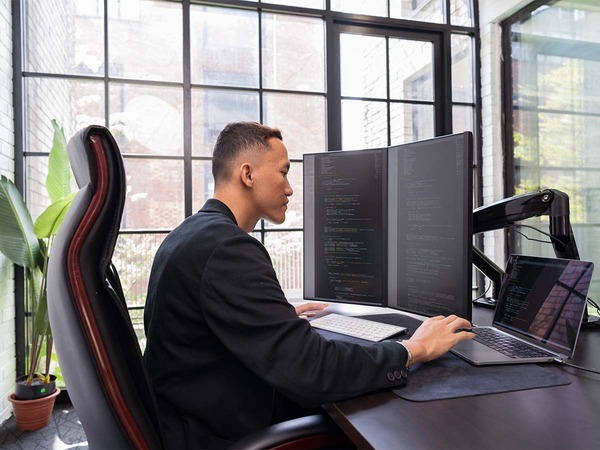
point(245, 308)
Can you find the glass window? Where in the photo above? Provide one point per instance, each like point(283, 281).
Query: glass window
point(133, 257)
point(74, 104)
point(364, 124)
point(154, 197)
point(363, 66)
point(317, 4)
point(463, 118)
point(422, 10)
point(462, 68)
point(58, 44)
point(411, 122)
point(213, 109)
point(224, 46)
point(461, 13)
point(411, 70)
point(147, 119)
point(301, 119)
point(203, 184)
point(285, 249)
point(554, 117)
point(153, 32)
point(293, 52)
point(370, 7)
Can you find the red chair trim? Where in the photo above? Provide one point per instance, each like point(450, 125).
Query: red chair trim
point(83, 303)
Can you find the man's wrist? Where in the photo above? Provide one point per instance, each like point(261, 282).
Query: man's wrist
point(410, 358)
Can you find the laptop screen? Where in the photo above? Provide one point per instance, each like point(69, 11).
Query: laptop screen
point(544, 299)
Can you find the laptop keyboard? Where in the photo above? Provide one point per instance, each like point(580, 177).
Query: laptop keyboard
point(356, 327)
point(507, 345)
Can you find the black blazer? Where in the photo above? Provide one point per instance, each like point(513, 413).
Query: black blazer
point(226, 353)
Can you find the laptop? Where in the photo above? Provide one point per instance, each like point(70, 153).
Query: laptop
point(538, 313)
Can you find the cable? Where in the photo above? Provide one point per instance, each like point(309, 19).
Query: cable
point(560, 361)
point(531, 239)
point(485, 292)
point(594, 305)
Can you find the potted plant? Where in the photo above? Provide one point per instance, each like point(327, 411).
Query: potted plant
point(28, 245)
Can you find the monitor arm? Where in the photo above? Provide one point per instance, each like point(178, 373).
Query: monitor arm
point(506, 212)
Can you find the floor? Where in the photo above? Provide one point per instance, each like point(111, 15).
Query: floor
point(63, 432)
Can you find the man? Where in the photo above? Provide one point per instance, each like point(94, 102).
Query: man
point(226, 353)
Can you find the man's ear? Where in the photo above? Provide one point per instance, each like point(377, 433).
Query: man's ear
point(246, 174)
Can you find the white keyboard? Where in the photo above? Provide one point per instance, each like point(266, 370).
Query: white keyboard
point(356, 327)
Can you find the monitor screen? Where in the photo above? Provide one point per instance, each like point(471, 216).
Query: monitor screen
point(345, 226)
point(392, 226)
point(430, 226)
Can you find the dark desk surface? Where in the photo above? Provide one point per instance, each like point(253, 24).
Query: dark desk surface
point(565, 417)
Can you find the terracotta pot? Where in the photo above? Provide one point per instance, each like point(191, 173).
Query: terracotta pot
point(32, 415)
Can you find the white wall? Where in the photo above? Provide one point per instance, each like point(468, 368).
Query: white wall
point(491, 14)
point(7, 168)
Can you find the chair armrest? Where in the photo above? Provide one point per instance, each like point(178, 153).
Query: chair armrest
point(310, 432)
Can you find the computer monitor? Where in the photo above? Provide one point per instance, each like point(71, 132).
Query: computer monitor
point(391, 226)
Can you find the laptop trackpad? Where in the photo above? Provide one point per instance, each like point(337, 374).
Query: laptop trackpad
point(479, 354)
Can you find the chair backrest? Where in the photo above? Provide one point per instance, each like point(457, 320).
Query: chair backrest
point(97, 348)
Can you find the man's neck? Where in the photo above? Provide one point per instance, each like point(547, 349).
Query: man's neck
point(239, 206)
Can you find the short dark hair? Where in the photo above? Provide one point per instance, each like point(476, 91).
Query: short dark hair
point(236, 138)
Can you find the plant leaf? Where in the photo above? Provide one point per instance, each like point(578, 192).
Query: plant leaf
point(49, 221)
point(58, 182)
point(18, 241)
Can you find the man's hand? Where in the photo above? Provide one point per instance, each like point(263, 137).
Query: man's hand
point(306, 310)
point(436, 336)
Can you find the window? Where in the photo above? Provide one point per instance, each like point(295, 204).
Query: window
point(554, 118)
point(166, 76)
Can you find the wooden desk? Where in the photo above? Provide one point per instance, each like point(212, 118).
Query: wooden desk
point(565, 417)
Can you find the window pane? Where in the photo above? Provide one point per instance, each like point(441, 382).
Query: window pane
point(293, 215)
point(370, 7)
point(411, 70)
point(364, 124)
point(461, 12)
point(74, 104)
point(556, 127)
point(363, 66)
point(203, 184)
point(65, 37)
point(567, 140)
point(567, 83)
point(213, 109)
point(423, 10)
point(301, 119)
point(147, 119)
point(462, 118)
point(462, 68)
point(37, 197)
point(154, 194)
point(293, 52)
point(411, 122)
point(224, 46)
point(285, 249)
point(317, 4)
point(145, 39)
point(133, 258)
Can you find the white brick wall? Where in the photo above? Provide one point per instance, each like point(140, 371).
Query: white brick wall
point(7, 168)
point(491, 13)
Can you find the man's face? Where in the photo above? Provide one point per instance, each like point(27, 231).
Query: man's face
point(271, 185)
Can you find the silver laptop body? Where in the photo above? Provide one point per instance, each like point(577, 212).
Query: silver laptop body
point(542, 303)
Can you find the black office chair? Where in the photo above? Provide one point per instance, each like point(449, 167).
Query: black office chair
point(97, 348)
